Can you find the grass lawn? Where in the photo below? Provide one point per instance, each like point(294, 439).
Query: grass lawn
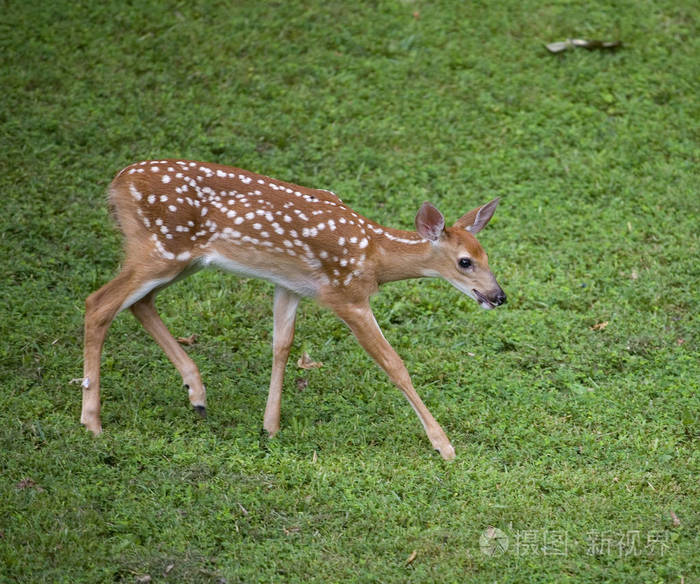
point(574, 409)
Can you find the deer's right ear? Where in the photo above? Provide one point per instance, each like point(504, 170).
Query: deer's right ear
point(476, 219)
point(430, 223)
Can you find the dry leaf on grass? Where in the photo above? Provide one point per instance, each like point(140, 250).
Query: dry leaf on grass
point(188, 340)
point(28, 484)
point(558, 47)
point(412, 557)
point(600, 326)
point(305, 362)
point(302, 383)
point(674, 519)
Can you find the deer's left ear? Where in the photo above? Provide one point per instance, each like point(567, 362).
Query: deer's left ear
point(430, 223)
point(476, 219)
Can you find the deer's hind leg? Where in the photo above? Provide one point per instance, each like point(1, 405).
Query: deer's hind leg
point(132, 284)
point(145, 311)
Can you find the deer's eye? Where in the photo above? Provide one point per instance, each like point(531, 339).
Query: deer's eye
point(465, 263)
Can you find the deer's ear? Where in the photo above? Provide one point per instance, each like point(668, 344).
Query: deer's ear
point(430, 223)
point(476, 219)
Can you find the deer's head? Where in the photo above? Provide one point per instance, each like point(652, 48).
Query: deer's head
point(458, 256)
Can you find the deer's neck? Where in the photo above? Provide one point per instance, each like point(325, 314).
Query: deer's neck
point(401, 255)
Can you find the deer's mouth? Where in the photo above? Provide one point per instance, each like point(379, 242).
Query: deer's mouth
point(482, 300)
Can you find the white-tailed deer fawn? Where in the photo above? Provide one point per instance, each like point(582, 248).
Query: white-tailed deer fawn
point(179, 216)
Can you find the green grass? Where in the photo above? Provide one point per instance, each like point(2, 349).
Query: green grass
point(584, 440)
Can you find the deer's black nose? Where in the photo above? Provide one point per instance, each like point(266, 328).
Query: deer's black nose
point(500, 298)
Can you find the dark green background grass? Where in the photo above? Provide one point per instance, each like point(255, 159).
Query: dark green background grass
point(581, 445)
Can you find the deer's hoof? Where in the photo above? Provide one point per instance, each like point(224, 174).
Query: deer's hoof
point(447, 452)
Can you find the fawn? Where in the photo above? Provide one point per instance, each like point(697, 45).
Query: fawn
point(179, 216)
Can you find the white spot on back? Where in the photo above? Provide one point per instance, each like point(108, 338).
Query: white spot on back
point(134, 192)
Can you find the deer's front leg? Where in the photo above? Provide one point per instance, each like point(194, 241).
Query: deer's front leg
point(285, 310)
point(364, 326)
